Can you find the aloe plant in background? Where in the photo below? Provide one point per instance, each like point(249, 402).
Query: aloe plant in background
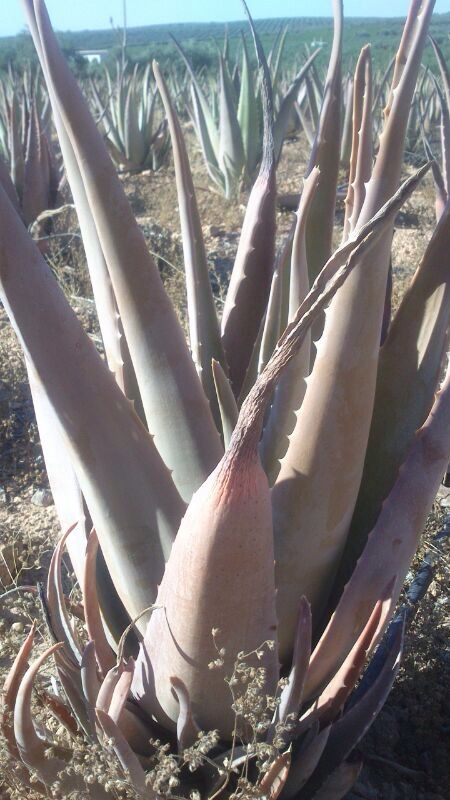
point(28, 167)
point(228, 120)
point(131, 120)
point(227, 458)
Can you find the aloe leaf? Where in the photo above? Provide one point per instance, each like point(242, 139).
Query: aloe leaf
point(286, 105)
point(94, 624)
point(189, 445)
point(208, 120)
point(247, 114)
point(36, 180)
point(302, 525)
point(60, 622)
point(291, 387)
point(208, 152)
point(229, 411)
point(128, 760)
point(292, 695)
point(393, 540)
point(251, 277)
point(121, 460)
point(330, 437)
point(362, 147)
point(346, 138)
point(409, 367)
point(187, 728)
point(347, 731)
point(204, 331)
point(17, 164)
point(439, 184)
point(10, 689)
point(325, 155)
point(231, 157)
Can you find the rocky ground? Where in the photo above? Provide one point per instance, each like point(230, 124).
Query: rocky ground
point(406, 753)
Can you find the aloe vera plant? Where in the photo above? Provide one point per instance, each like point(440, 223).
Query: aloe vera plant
point(29, 171)
point(224, 483)
point(229, 123)
point(131, 120)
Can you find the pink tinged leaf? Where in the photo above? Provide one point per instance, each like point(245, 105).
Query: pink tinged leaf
point(305, 758)
point(60, 711)
point(410, 364)
point(251, 277)
point(121, 692)
point(61, 624)
point(275, 778)
point(94, 623)
point(349, 730)
point(204, 331)
point(392, 543)
point(333, 698)
point(108, 686)
point(31, 747)
point(71, 680)
point(114, 457)
point(189, 445)
point(90, 681)
point(10, 689)
point(309, 536)
point(229, 411)
point(325, 155)
point(187, 728)
point(127, 759)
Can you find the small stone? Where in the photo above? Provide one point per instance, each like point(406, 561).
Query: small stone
point(214, 230)
point(18, 627)
point(42, 498)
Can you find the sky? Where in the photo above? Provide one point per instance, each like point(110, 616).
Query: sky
point(82, 14)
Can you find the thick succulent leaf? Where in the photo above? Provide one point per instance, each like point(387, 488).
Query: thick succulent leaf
point(302, 525)
point(251, 278)
point(209, 155)
point(409, 368)
point(329, 442)
point(325, 155)
point(229, 411)
point(347, 126)
point(189, 442)
point(287, 102)
point(94, 624)
point(36, 182)
point(231, 149)
point(248, 115)
point(210, 142)
point(391, 544)
point(8, 186)
point(187, 728)
point(362, 147)
point(129, 762)
point(204, 331)
point(291, 387)
point(349, 730)
point(60, 622)
point(63, 481)
point(114, 456)
point(9, 693)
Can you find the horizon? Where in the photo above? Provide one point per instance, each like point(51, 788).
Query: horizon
point(91, 17)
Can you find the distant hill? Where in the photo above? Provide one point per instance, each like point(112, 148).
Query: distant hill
point(154, 40)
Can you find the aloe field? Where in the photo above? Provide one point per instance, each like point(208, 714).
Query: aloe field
point(225, 409)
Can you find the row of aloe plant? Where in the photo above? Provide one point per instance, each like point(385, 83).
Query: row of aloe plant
point(129, 113)
point(221, 481)
point(28, 163)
